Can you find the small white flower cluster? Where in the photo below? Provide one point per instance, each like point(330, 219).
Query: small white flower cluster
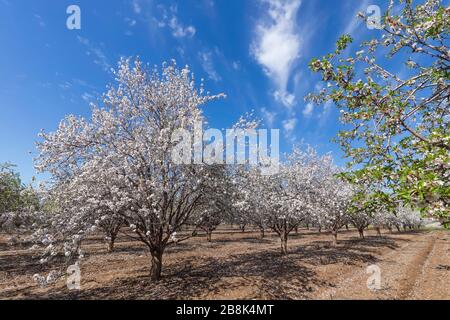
point(51, 278)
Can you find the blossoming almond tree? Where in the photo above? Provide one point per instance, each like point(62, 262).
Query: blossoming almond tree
point(110, 225)
point(333, 200)
point(302, 176)
point(246, 197)
point(282, 201)
point(367, 208)
point(408, 217)
point(261, 200)
point(216, 207)
point(125, 151)
point(382, 219)
point(360, 220)
point(282, 216)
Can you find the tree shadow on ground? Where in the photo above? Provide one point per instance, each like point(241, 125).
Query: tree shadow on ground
point(23, 245)
point(20, 263)
point(252, 240)
point(264, 271)
point(325, 254)
point(253, 275)
point(118, 249)
point(368, 244)
point(24, 264)
point(443, 267)
point(267, 274)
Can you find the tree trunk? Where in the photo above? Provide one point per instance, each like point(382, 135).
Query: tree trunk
point(242, 227)
point(208, 235)
point(284, 244)
point(390, 229)
point(361, 233)
point(156, 267)
point(346, 227)
point(296, 230)
point(378, 231)
point(320, 229)
point(398, 228)
point(307, 226)
point(261, 233)
point(334, 233)
point(110, 244)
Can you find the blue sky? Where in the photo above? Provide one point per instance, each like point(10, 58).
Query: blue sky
point(256, 52)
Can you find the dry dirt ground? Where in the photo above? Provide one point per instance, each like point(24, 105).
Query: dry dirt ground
point(235, 265)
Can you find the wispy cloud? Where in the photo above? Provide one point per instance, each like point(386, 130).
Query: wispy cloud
point(82, 83)
point(308, 110)
point(65, 85)
point(289, 128)
point(289, 124)
point(87, 97)
point(180, 31)
point(96, 52)
point(169, 18)
point(236, 65)
point(136, 6)
point(269, 117)
point(277, 45)
point(327, 107)
point(39, 20)
point(130, 22)
point(208, 65)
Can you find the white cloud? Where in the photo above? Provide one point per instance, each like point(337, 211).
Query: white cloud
point(308, 110)
point(80, 82)
point(181, 51)
point(136, 7)
point(87, 97)
point(65, 85)
point(130, 22)
point(96, 52)
point(326, 109)
point(180, 31)
point(277, 45)
point(289, 126)
point(169, 18)
point(208, 65)
point(284, 97)
point(269, 116)
point(39, 20)
point(236, 65)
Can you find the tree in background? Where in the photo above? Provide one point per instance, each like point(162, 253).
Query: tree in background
point(333, 203)
point(10, 188)
point(216, 207)
point(18, 202)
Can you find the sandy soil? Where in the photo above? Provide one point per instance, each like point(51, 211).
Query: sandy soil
point(235, 265)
